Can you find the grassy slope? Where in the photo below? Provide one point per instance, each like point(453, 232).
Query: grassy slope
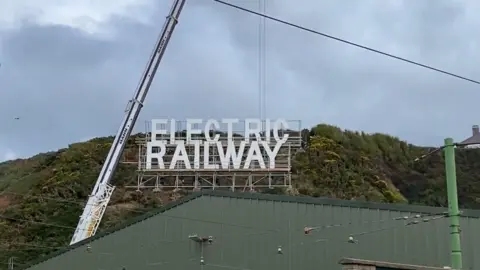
point(340, 164)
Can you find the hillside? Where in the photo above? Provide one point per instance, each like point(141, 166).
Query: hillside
point(50, 189)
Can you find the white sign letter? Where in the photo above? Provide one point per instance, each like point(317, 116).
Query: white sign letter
point(196, 157)
point(256, 123)
point(180, 155)
point(280, 124)
point(208, 128)
point(254, 154)
point(231, 154)
point(192, 128)
point(162, 130)
point(267, 130)
point(229, 123)
point(173, 130)
point(206, 156)
point(158, 155)
point(272, 154)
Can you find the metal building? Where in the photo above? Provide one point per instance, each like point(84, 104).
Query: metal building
point(226, 230)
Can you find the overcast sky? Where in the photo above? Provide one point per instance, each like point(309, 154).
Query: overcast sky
point(69, 67)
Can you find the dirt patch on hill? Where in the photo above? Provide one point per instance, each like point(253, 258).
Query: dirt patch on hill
point(4, 202)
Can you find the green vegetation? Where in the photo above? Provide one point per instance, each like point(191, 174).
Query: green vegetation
point(335, 163)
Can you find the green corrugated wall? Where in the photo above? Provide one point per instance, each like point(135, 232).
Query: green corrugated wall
point(247, 234)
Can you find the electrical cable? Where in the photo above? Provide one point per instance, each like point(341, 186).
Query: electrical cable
point(304, 229)
point(38, 247)
point(126, 209)
point(307, 230)
point(3, 244)
point(216, 239)
point(260, 62)
point(346, 41)
point(264, 60)
point(262, 231)
point(47, 224)
point(38, 222)
point(351, 240)
point(414, 222)
point(262, 82)
point(321, 227)
point(438, 149)
point(81, 203)
point(352, 237)
point(15, 263)
point(89, 247)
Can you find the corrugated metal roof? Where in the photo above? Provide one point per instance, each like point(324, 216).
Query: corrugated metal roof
point(266, 197)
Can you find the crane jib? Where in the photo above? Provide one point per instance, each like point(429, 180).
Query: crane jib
point(124, 134)
point(90, 219)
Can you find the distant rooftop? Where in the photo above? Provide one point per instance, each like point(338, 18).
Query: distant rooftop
point(475, 138)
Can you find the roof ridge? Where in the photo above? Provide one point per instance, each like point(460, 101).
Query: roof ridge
point(475, 213)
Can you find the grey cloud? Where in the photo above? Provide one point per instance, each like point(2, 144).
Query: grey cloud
point(68, 86)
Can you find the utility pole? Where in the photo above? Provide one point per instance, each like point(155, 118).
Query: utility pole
point(453, 211)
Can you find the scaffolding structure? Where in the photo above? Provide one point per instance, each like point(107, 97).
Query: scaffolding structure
point(253, 178)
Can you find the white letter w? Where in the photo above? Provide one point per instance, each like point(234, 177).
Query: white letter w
point(231, 155)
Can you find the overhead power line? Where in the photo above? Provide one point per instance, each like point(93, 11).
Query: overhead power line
point(438, 149)
point(413, 219)
point(36, 222)
point(409, 220)
point(145, 211)
point(90, 249)
point(297, 26)
point(244, 235)
point(352, 237)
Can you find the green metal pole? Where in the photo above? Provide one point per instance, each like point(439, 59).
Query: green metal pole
point(453, 211)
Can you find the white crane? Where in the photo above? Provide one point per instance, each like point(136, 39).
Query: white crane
point(103, 189)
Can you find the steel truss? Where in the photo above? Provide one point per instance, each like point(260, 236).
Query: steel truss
point(198, 180)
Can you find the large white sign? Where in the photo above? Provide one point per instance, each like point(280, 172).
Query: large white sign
point(249, 147)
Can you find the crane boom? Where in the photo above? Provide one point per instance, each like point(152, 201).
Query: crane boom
point(102, 191)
